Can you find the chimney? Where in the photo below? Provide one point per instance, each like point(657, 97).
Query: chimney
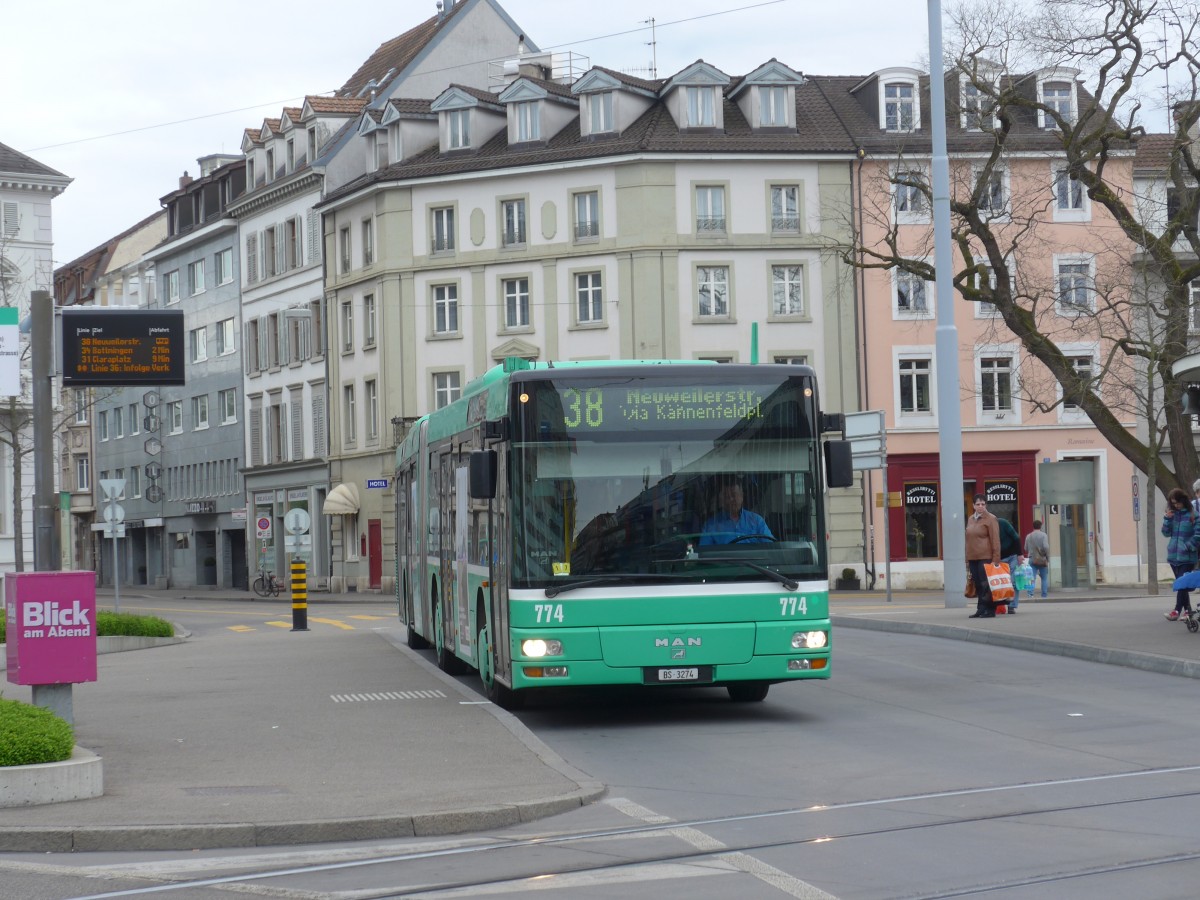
point(184, 180)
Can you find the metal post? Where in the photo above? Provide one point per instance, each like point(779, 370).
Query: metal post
point(954, 552)
point(116, 560)
point(299, 596)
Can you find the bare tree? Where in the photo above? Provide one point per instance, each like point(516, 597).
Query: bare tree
point(1134, 300)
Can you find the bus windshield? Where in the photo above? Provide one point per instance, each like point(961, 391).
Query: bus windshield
point(640, 479)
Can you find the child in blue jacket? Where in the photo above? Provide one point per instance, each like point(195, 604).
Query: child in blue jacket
point(1181, 527)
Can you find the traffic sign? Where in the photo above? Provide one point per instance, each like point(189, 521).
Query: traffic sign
point(263, 527)
point(112, 487)
point(297, 520)
point(114, 513)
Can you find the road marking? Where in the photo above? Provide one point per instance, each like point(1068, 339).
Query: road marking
point(240, 627)
point(369, 618)
point(765, 872)
point(333, 622)
point(388, 695)
point(279, 624)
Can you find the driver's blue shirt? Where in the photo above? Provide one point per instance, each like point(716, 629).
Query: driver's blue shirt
point(723, 528)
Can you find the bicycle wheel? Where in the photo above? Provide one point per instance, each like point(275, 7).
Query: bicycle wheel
point(260, 586)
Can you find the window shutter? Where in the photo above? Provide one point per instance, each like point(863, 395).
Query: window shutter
point(255, 433)
point(263, 356)
point(283, 340)
point(281, 432)
point(251, 258)
point(297, 427)
point(280, 249)
point(314, 235)
point(318, 423)
point(12, 219)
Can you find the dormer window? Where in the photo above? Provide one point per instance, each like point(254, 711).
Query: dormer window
point(977, 107)
point(270, 165)
point(1057, 98)
point(312, 143)
point(528, 121)
point(250, 172)
point(900, 106)
point(459, 121)
point(380, 139)
point(772, 106)
point(701, 107)
point(291, 154)
point(600, 112)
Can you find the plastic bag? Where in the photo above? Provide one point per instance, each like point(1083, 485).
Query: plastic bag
point(1000, 582)
point(1023, 577)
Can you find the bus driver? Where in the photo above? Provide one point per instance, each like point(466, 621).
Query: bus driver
point(732, 521)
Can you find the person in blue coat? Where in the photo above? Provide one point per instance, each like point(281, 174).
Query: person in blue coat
point(732, 521)
point(1181, 527)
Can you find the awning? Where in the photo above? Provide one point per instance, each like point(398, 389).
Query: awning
point(342, 500)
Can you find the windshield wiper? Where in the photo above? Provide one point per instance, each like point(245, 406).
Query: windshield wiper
point(788, 583)
point(611, 578)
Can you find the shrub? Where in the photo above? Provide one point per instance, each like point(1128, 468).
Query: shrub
point(109, 624)
point(30, 735)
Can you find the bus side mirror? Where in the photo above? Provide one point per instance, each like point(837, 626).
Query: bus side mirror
point(483, 474)
point(839, 467)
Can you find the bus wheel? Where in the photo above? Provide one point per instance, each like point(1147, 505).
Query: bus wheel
point(504, 697)
point(748, 691)
point(415, 641)
point(446, 660)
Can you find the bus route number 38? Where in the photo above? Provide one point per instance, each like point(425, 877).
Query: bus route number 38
point(793, 606)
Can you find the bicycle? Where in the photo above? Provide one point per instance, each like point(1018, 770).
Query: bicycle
point(267, 585)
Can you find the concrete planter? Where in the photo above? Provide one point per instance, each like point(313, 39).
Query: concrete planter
point(79, 778)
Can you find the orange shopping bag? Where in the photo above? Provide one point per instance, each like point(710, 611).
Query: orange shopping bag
point(1000, 581)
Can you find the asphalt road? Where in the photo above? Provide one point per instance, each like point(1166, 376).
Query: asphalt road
point(925, 768)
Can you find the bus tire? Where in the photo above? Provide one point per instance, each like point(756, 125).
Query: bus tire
point(446, 660)
point(415, 641)
point(503, 696)
point(748, 691)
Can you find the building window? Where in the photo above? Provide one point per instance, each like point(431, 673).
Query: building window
point(899, 104)
point(1193, 293)
point(349, 421)
point(81, 406)
point(1056, 96)
point(459, 122)
point(1068, 191)
point(785, 209)
point(921, 520)
point(135, 421)
point(368, 240)
point(790, 360)
point(299, 336)
point(175, 417)
point(171, 286)
point(102, 425)
point(224, 266)
point(198, 344)
point(118, 421)
point(200, 412)
point(344, 248)
point(445, 309)
point(710, 209)
point(272, 263)
point(225, 336)
point(1083, 369)
point(914, 386)
point(772, 106)
point(445, 389)
point(528, 126)
point(995, 384)
point(514, 223)
point(587, 215)
point(1074, 285)
point(196, 276)
point(516, 302)
point(347, 326)
point(270, 165)
point(312, 143)
point(293, 235)
point(227, 401)
point(369, 320)
point(787, 290)
point(712, 292)
point(83, 473)
point(291, 154)
point(910, 192)
point(990, 197)
point(443, 229)
point(701, 107)
point(371, 392)
point(600, 112)
point(910, 293)
point(589, 297)
point(134, 484)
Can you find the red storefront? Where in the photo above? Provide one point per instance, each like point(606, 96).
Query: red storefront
point(1008, 479)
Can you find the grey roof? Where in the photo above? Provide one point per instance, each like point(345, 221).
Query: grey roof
point(16, 162)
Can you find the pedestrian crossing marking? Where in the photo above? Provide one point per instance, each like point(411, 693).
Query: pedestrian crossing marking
point(388, 695)
point(333, 622)
point(280, 624)
point(240, 627)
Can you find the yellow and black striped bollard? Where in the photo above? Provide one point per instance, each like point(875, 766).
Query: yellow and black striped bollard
point(299, 596)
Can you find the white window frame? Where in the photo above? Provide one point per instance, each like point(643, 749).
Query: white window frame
point(916, 354)
point(369, 320)
point(458, 129)
point(227, 336)
point(773, 111)
point(717, 281)
point(785, 209)
point(898, 96)
point(371, 403)
point(447, 387)
point(1194, 304)
point(514, 222)
point(196, 277)
point(989, 310)
point(1074, 353)
point(586, 209)
point(83, 473)
point(171, 286)
point(711, 212)
point(1010, 414)
point(344, 248)
point(347, 326)
point(1045, 121)
point(198, 344)
point(600, 112)
point(920, 296)
point(528, 121)
point(442, 227)
point(443, 299)
point(515, 291)
point(135, 421)
point(1000, 180)
point(227, 401)
point(224, 265)
point(589, 297)
point(81, 406)
point(102, 425)
point(1074, 190)
point(200, 412)
point(368, 242)
point(910, 205)
point(175, 417)
point(794, 279)
point(1076, 262)
point(349, 416)
point(701, 106)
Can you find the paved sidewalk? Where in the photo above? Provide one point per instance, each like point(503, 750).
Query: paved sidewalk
point(250, 742)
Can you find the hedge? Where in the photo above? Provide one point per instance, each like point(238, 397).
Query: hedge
point(30, 735)
point(109, 624)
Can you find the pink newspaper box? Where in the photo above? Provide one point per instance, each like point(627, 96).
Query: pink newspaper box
point(51, 626)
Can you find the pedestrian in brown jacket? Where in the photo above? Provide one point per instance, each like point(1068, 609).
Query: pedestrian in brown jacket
point(983, 546)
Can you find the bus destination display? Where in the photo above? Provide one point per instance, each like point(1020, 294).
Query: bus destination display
point(122, 347)
point(616, 408)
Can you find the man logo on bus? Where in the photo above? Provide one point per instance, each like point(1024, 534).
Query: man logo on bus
point(677, 642)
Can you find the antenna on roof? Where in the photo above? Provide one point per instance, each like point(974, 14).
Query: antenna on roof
point(653, 45)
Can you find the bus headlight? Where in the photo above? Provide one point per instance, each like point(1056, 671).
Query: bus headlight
point(809, 640)
point(536, 648)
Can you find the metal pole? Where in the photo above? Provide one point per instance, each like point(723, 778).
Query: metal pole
point(946, 357)
point(299, 596)
point(116, 561)
point(45, 506)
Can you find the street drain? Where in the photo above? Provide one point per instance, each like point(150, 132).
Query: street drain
point(388, 695)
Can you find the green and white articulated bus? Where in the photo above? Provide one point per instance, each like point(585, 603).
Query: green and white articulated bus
point(560, 524)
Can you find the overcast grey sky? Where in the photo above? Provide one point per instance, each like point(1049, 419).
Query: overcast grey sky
point(123, 97)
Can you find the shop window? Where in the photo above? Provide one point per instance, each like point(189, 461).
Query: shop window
point(921, 520)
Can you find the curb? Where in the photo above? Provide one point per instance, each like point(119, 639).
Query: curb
point(79, 778)
point(1147, 662)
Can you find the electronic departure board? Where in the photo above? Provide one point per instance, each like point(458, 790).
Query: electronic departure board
point(122, 347)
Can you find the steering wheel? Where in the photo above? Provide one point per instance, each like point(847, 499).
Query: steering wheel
point(753, 537)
